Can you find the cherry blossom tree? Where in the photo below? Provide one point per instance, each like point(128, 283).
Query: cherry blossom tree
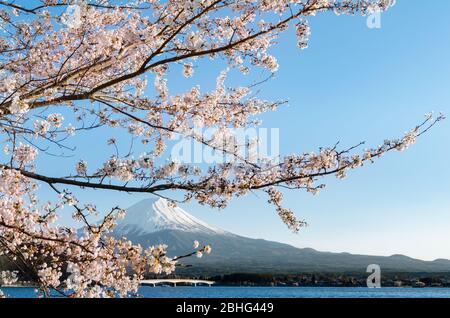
point(94, 60)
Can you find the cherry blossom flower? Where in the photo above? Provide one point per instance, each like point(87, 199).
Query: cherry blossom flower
point(196, 244)
point(208, 249)
point(25, 153)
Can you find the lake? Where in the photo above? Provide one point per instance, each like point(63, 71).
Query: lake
point(269, 292)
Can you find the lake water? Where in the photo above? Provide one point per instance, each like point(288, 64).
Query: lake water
point(269, 292)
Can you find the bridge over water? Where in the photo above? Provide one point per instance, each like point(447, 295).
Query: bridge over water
point(175, 281)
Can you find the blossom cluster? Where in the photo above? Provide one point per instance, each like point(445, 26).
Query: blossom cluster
point(92, 264)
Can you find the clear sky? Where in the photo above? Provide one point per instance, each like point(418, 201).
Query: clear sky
point(353, 84)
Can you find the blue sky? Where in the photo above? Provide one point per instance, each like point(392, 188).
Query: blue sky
point(352, 84)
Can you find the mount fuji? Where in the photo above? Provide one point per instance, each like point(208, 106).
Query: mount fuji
point(151, 222)
point(149, 216)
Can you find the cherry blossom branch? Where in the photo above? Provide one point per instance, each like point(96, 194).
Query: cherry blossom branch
point(96, 68)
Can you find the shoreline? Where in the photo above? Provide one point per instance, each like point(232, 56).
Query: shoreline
point(262, 286)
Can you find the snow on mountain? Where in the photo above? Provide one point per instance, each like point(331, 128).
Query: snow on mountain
point(149, 216)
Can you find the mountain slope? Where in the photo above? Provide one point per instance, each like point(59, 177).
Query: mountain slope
point(152, 222)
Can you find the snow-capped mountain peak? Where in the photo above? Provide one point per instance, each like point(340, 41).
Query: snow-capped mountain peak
point(149, 216)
